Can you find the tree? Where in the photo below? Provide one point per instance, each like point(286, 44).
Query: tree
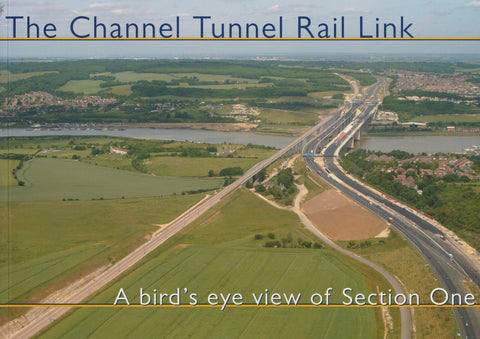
point(285, 177)
point(211, 173)
point(212, 149)
point(228, 181)
point(260, 176)
point(260, 189)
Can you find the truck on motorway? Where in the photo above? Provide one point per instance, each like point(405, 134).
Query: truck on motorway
point(390, 220)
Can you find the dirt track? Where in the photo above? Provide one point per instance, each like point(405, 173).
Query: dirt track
point(340, 218)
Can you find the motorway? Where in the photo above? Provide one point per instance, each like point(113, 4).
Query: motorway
point(449, 264)
point(421, 235)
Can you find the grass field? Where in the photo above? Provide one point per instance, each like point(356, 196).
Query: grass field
point(275, 116)
point(399, 258)
point(19, 151)
point(468, 70)
point(225, 86)
point(195, 167)
point(57, 179)
point(134, 76)
point(6, 176)
point(125, 90)
point(449, 118)
point(82, 86)
point(219, 254)
point(6, 76)
point(45, 243)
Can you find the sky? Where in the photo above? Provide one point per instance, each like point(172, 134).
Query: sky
point(429, 18)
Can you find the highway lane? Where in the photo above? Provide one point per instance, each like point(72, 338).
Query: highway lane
point(450, 273)
point(427, 239)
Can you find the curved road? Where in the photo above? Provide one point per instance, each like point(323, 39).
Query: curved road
point(449, 264)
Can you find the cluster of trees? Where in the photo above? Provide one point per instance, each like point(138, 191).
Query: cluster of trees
point(452, 200)
point(287, 242)
point(361, 244)
point(284, 191)
point(49, 82)
point(431, 94)
point(237, 68)
point(408, 109)
point(293, 105)
point(230, 171)
point(286, 88)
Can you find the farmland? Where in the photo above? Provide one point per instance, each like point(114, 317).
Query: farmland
point(82, 86)
point(6, 76)
point(165, 158)
point(6, 177)
point(165, 91)
point(58, 179)
point(56, 242)
point(71, 217)
point(218, 253)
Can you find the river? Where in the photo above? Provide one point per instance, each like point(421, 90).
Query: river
point(413, 144)
point(204, 136)
point(417, 144)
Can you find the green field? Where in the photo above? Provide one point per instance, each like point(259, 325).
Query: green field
point(82, 86)
point(57, 179)
point(51, 243)
point(225, 86)
point(6, 76)
point(219, 254)
point(6, 177)
point(124, 90)
point(196, 167)
point(134, 76)
point(276, 116)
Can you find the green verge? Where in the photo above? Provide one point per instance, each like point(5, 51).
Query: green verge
point(218, 254)
point(397, 256)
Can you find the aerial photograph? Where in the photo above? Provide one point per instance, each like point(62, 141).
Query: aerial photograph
point(239, 169)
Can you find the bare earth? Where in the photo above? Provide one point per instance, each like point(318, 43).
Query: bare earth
point(342, 219)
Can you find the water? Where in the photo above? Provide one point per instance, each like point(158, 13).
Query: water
point(212, 137)
point(418, 144)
